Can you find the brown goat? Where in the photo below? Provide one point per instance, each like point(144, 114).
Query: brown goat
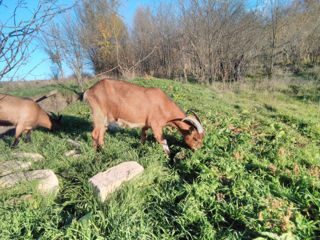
point(25, 115)
point(130, 105)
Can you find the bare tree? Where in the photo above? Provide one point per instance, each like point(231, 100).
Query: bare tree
point(220, 38)
point(74, 53)
point(62, 43)
point(52, 45)
point(303, 33)
point(102, 29)
point(209, 40)
point(17, 35)
point(143, 40)
point(276, 21)
point(106, 40)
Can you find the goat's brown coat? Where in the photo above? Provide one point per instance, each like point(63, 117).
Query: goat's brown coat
point(126, 104)
point(24, 114)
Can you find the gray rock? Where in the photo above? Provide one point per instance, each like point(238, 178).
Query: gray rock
point(33, 156)
point(20, 199)
point(74, 153)
point(13, 166)
point(113, 128)
point(76, 144)
point(48, 181)
point(105, 183)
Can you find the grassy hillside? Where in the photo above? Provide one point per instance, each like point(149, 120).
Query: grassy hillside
point(256, 175)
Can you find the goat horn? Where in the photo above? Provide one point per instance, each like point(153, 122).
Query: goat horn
point(194, 122)
point(194, 115)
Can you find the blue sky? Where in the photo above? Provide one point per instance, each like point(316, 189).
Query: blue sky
point(39, 58)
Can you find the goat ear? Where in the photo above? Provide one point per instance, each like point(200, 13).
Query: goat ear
point(192, 128)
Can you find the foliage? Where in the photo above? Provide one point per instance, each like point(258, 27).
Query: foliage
point(103, 33)
point(256, 177)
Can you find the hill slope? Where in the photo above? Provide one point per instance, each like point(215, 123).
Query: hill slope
point(257, 173)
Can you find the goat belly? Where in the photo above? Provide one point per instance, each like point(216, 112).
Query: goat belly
point(5, 123)
point(122, 123)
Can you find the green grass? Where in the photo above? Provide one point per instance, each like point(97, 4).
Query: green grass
point(31, 90)
point(257, 174)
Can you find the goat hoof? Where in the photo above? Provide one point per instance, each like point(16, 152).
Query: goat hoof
point(14, 147)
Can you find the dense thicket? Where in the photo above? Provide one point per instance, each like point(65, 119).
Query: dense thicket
point(208, 40)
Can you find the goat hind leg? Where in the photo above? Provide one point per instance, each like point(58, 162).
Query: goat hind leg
point(144, 132)
point(28, 133)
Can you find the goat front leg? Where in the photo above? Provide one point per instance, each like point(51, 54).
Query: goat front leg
point(101, 135)
point(15, 143)
point(99, 129)
point(98, 137)
point(95, 137)
point(157, 131)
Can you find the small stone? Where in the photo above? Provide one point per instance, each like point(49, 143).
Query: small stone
point(13, 166)
point(113, 128)
point(74, 153)
point(48, 183)
point(20, 200)
point(33, 156)
point(105, 183)
point(77, 144)
point(71, 153)
point(12, 180)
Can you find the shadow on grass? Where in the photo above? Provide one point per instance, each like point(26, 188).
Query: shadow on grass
point(74, 127)
point(308, 97)
point(7, 132)
point(7, 135)
point(174, 141)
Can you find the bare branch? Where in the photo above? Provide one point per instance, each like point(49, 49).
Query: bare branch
point(17, 36)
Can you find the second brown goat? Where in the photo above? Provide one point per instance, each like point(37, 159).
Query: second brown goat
point(25, 115)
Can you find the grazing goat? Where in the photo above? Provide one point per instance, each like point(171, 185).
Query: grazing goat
point(25, 115)
point(129, 105)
